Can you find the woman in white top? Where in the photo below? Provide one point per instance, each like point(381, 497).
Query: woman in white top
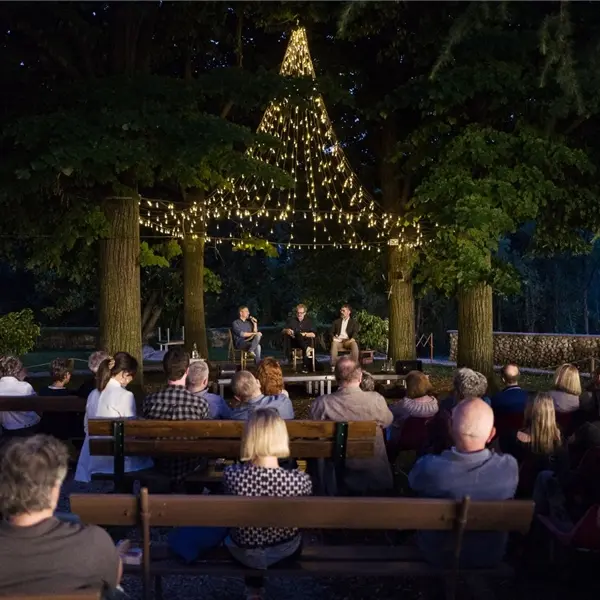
point(110, 400)
point(21, 423)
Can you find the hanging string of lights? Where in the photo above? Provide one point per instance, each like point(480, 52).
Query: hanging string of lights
point(325, 207)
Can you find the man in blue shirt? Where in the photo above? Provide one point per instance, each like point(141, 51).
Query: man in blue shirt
point(245, 333)
point(248, 397)
point(467, 469)
point(512, 399)
point(197, 383)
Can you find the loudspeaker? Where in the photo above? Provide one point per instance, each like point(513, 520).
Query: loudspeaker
point(403, 367)
point(228, 369)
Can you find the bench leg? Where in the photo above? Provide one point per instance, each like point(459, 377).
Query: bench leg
point(158, 588)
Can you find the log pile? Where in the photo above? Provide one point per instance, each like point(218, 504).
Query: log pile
point(539, 350)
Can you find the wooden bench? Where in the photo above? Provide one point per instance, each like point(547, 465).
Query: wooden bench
point(40, 404)
point(222, 439)
point(81, 595)
point(305, 513)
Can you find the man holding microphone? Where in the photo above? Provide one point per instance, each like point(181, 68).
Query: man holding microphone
point(246, 335)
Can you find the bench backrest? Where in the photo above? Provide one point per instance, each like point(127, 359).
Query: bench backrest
point(305, 513)
point(43, 403)
point(222, 439)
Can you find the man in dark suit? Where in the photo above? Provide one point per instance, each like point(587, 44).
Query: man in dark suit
point(299, 332)
point(344, 331)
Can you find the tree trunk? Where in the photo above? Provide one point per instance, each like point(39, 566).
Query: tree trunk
point(401, 303)
point(400, 259)
point(476, 329)
point(193, 294)
point(120, 303)
point(150, 323)
point(194, 317)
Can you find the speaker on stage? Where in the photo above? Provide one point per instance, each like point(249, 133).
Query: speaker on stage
point(403, 367)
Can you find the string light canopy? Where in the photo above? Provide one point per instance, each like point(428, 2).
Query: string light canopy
point(325, 206)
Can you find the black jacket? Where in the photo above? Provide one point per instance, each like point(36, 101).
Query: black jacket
point(304, 326)
point(352, 328)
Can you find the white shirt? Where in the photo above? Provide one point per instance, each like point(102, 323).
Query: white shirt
point(11, 386)
point(343, 335)
point(114, 402)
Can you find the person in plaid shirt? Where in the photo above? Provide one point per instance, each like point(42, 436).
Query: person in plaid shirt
point(176, 403)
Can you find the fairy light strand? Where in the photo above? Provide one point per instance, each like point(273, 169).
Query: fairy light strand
point(327, 201)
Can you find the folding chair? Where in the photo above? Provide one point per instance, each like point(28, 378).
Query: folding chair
point(233, 352)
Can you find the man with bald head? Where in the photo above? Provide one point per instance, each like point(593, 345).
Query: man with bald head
point(512, 399)
point(466, 469)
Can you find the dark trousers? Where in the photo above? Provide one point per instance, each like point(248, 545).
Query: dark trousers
point(299, 341)
point(259, 581)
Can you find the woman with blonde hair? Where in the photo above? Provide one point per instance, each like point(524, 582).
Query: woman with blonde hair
point(264, 442)
point(567, 388)
point(539, 444)
point(270, 377)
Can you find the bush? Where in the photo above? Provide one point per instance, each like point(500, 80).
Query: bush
point(18, 332)
point(373, 333)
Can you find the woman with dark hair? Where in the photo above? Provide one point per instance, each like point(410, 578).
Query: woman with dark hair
point(110, 400)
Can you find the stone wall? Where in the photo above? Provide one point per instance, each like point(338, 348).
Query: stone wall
point(539, 350)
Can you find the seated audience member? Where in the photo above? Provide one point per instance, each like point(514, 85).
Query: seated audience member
point(16, 423)
point(22, 376)
point(344, 331)
point(567, 389)
point(265, 441)
point(245, 333)
point(367, 383)
point(197, 383)
point(539, 445)
point(175, 403)
point(467, 384)
point(40, 554)
point(300, 332)
point(512, 399)
point(589, 401)
point(110, 400)
point(350, 403)
point(270, 377)
point(61, 370)
point(467, 469)
point(89, 385)
point(247, 393)
point(418, 401)
point(62, 425)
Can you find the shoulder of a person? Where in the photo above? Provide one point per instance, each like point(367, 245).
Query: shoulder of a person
point(88, 535)
point(507, 461)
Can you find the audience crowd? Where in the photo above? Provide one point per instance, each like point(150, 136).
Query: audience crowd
point(471, 443)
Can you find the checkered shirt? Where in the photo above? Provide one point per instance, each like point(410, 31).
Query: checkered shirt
point(175, 403)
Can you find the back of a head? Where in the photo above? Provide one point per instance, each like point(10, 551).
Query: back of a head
point(566, 379)
point(95, 359)
point(175, 363)
point(10, 366)
point(472, 422)
point(347, 371)
point(121, 362)
point(510, 374)
point(540, 417)
point(469, 383)
point(417, 385)
point(30, 468)
point(270, 377)
point(244, 386)
point(265, 435)
point(60, 368)
point(367, 383)
point(197, 374)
